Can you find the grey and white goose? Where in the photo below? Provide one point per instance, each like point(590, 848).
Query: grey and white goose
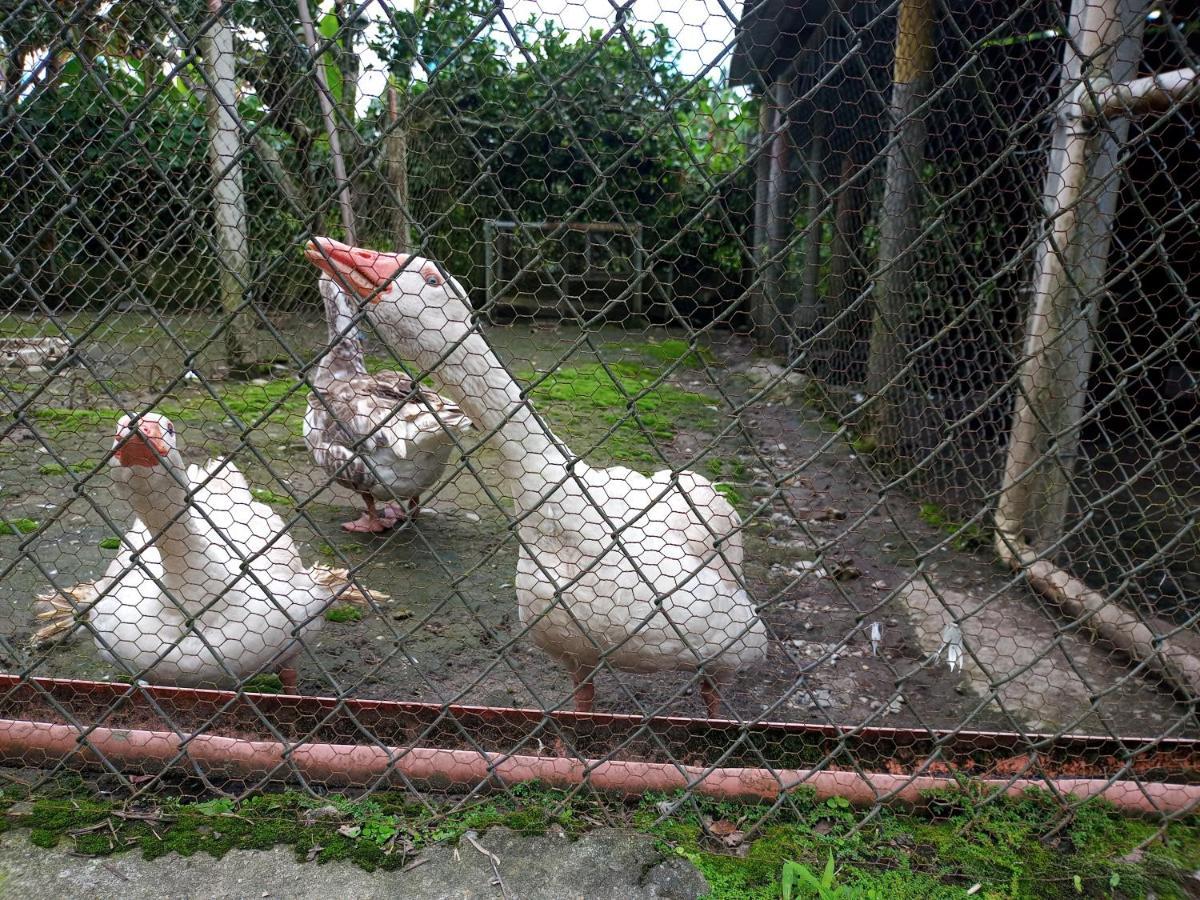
point(381, 435)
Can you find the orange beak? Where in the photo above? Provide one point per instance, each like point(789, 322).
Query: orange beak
point(366, 272)
point(139, 448)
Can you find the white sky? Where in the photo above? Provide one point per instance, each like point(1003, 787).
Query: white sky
point(700, 28)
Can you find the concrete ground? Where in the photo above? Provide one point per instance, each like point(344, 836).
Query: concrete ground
point(606, 863)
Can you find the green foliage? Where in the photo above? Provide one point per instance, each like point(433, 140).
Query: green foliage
point(343, 612)
point(59, 469)
point(264, 683)
point(110, 543)
point(18, 526)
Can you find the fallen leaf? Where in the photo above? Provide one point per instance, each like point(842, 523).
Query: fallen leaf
point(722, 828)
point(350, 831)
point(312, 853)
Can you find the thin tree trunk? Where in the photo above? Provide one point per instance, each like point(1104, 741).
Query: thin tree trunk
point(810, 287)
point(758, 297)
point(844, 250)
point(229, 199)
point(1080, 196)
point(900, 223)
point(776, 307)
point(397, 172)
point(325, 98)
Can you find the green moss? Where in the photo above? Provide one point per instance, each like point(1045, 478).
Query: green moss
point(267, 496)
point(676, 350)
point(966, 537)
point(58, 469)
point(584, 403)
point(1013, 847)
point(18, 526)
point(343, 612)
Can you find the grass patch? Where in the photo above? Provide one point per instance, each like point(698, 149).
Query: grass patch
point(1012, 847)
point(582, 403)
point(18, 526)
point(343, 612)
point(966, 537)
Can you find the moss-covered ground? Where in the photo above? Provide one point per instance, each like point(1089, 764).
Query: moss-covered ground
point(1020, 847)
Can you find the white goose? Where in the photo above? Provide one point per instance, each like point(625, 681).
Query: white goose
point(381, 435)
point(641, 573)
point(175, 605)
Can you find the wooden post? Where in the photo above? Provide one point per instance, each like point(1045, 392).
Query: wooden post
point(844, 251)
point(776, 307)
point(396, 151)
point(345, 203)
point(900, 224)
point(758, 305)
point(1080, 196)
point(809, 309)
point(228, 196)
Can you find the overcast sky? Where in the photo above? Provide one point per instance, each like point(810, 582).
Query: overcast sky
point(700, 28)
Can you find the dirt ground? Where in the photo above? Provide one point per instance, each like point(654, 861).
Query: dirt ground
point(829, 553)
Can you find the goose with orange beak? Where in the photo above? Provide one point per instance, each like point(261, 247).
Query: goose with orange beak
point(208, 589)
point(380, 434)
point(615, 569)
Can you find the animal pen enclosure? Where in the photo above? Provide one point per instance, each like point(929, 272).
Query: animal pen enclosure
point(909, 286)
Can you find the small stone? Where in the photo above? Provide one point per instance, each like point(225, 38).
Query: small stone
point(879, 585)
point(401, 614)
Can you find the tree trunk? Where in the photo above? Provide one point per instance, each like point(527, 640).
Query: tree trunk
point(758, 296)
point(1080, 196)
point(810, 287)
point(229, 199)
point(844, 269)
point(345, 202)
point(397, 173)
point(777, 308)
point(900, 224)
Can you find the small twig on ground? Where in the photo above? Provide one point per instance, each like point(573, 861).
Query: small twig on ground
point(114, 870)
point(495, 860)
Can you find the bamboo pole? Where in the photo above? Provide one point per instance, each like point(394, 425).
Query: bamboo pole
point(1080, 196)
point(396, 151)
point(325, 98)
point(228, 195)
point(900, 224)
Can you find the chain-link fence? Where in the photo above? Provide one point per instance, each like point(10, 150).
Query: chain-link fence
point(732, 400)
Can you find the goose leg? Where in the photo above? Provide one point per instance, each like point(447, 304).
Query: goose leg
point(370, 522)
point(400, 514)
point(711, 696)
point(287, 677)
point(585, 690)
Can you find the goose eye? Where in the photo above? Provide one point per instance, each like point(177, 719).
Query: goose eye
point(171, 430)
point(432, 279)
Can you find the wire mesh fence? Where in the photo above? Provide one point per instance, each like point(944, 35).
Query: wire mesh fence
point(730, 401)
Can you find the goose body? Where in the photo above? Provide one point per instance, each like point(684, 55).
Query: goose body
point(382, 436)
point(614, 567)
point(176, 606)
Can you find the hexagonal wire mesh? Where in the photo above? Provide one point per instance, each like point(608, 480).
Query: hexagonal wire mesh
point(711, 360)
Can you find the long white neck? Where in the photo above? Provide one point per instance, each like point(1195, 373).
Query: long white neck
point(176, 527)
point(469, 373)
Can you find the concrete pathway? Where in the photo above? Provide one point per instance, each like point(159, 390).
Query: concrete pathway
point(603, 864)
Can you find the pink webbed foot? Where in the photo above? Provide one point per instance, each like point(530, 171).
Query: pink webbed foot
point(370, 524)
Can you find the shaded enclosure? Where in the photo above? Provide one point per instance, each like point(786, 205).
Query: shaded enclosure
point(871, 324)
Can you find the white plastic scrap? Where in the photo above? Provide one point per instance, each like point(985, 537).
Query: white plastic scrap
point(952, 644)
point(876, 638)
